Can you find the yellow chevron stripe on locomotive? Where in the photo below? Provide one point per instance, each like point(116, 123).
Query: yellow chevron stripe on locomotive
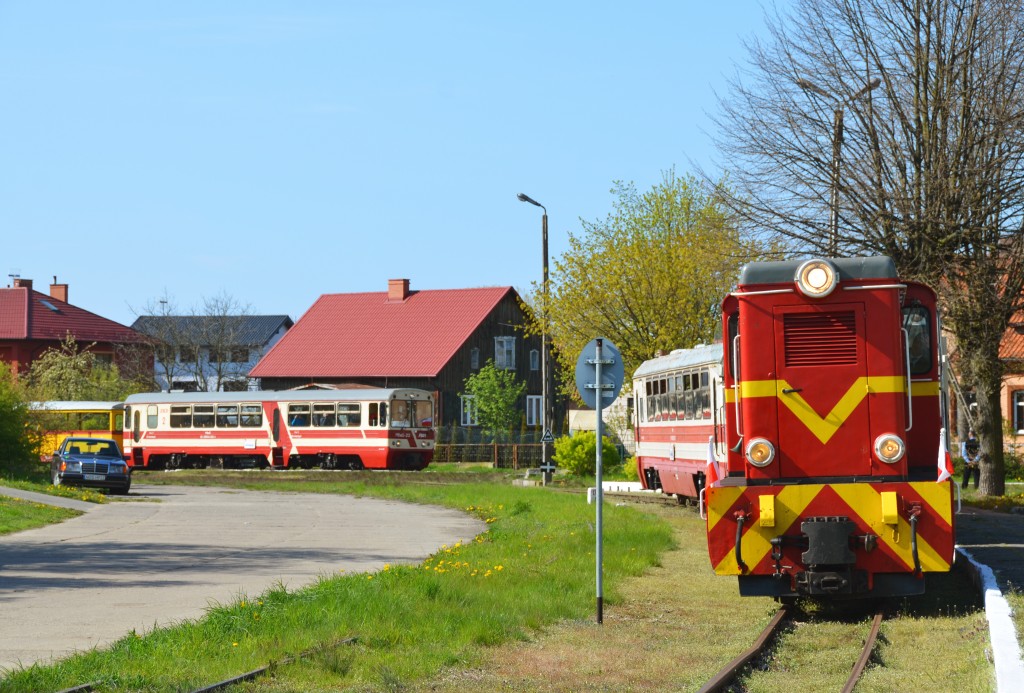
point(881, 511)
point(823, 427)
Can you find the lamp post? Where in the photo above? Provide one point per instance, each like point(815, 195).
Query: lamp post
point(837, 149)
point(545, 399)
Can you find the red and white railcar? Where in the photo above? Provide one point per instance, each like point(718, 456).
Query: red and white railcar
point(677, 397)
point(385, 428)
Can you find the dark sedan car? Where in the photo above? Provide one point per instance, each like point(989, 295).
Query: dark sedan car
point(94, 462)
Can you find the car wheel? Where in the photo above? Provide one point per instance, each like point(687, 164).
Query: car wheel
point(123, 491)
point(56, 478)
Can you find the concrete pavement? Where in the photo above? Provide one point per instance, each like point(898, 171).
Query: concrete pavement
point(170, 551)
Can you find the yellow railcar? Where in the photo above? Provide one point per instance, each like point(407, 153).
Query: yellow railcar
point(58, 420)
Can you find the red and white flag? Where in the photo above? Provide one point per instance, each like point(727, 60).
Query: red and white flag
point(712, 475)
point(945, 461)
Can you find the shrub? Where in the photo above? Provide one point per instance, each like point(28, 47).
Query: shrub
point(578, 454)
point(16, 449)
point(630, 470)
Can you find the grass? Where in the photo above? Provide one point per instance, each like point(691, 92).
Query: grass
point(17, 515)
point(446, 625)
point(38, 480)
point(532, 568)
point(678, 624)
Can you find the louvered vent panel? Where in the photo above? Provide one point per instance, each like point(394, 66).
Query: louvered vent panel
point(820, 339)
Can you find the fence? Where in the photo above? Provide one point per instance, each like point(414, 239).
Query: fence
point(498, 455)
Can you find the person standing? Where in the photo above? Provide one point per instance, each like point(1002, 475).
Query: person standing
point(970, 450)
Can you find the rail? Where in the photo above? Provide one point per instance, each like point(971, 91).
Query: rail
point(722, 680)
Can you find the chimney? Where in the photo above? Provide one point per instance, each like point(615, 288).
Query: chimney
point(59, 291)
point(26, 283)
point(398, 290)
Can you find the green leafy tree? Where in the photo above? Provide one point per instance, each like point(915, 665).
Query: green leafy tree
point(649, 277)
point(496, 394)
point(577, 454)
point(16, 447)
point(901, 123)
point(72, 373)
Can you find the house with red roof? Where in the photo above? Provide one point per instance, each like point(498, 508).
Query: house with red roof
point(1011, 353)
point(429, 339)
point(32, 322)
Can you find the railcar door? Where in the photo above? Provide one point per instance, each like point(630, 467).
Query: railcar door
point(821, 386)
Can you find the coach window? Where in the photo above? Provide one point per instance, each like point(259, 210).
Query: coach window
point(151, 417)
point(202, 416)
point(181, 416)
point(349, 414)
point(136, 434)
point(323, 414)
point(671, 398)
point(252, 416)
point(298, 415)
point(705, 393)
point(227, 416)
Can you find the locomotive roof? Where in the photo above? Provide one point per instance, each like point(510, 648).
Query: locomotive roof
point(850, 269)
point(54, 405)
point(269, 395)
point(681, 358)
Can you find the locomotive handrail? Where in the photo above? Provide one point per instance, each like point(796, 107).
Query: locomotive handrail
point(910, 396)
point(875, 286)
point(741, 294)
point(736, 382)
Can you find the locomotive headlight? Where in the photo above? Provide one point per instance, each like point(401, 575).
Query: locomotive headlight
point(889, 448)
point(760, 452)
point(817, 278)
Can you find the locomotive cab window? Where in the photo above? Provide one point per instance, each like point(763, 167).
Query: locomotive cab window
point(917, 323)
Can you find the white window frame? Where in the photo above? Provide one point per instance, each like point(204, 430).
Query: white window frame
point(505, 353)
point(468, 415)
point(534, 410)
point(1018, 411)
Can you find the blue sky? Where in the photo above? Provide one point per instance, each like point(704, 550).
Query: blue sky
point(278, 151)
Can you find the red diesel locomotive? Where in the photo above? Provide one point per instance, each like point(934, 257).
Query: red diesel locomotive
point(826, 463)
point(385, 428)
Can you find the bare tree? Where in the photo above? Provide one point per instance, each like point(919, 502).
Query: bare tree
point(208, 347)
point(899, 123)
point(222, 333)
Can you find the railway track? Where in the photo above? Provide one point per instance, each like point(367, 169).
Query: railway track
point(726, 676)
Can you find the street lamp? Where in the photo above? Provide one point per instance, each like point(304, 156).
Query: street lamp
point(837, 147)
point(545, 399)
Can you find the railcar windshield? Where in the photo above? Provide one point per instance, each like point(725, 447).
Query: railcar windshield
point(411, 413)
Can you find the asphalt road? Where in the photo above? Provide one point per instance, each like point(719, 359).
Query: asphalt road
point(170, 551)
